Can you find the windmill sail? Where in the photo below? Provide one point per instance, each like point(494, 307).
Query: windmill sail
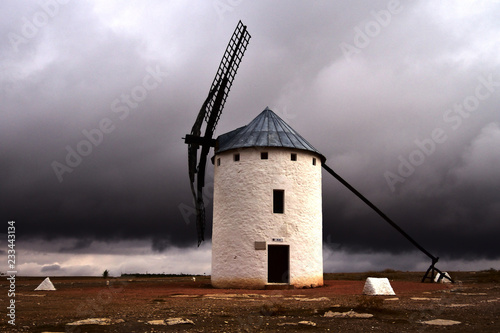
point(210, 113)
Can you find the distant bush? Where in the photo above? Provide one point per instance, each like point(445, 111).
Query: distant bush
point(105, 274)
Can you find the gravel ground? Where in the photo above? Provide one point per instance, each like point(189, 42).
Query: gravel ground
point(179, 304)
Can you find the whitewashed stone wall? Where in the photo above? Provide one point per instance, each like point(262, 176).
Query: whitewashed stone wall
point(243, 214)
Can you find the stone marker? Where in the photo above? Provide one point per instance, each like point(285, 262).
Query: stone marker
point(45, 285)
point(378, 286)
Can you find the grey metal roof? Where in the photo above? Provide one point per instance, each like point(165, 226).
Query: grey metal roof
point(266, 130)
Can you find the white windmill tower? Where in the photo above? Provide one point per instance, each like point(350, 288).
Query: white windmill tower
point(267, 224)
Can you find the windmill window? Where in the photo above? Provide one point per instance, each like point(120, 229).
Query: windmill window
point(278, 201)
point(236, 157)
point(263, 156)
point(293, 157)
point(218, 161)
point(314, 161)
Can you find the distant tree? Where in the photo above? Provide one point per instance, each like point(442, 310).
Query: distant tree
point(105, 274)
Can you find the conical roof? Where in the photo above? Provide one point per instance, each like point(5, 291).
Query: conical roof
point(266, 130)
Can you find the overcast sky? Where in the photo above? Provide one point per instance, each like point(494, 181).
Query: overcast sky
point(401, 97)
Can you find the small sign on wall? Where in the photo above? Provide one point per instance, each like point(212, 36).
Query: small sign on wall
point(260, 245)
point(278, 239)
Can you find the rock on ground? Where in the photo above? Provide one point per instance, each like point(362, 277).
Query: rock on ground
point(96, 321)
point(170, 321)
point(441, 322)
point(178, 321)
point(348, 314)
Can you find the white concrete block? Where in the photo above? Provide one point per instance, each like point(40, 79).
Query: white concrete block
point(46, 285)
point(443, 280)
point(378, 286)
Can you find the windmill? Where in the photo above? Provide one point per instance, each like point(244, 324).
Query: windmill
point(210, 114)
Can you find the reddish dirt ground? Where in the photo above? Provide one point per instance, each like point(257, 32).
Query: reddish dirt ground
point(131, 302)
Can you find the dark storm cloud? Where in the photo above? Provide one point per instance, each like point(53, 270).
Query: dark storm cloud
point(364, 106)
point(115, 191)
point(80, 244)
point(451, 211)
